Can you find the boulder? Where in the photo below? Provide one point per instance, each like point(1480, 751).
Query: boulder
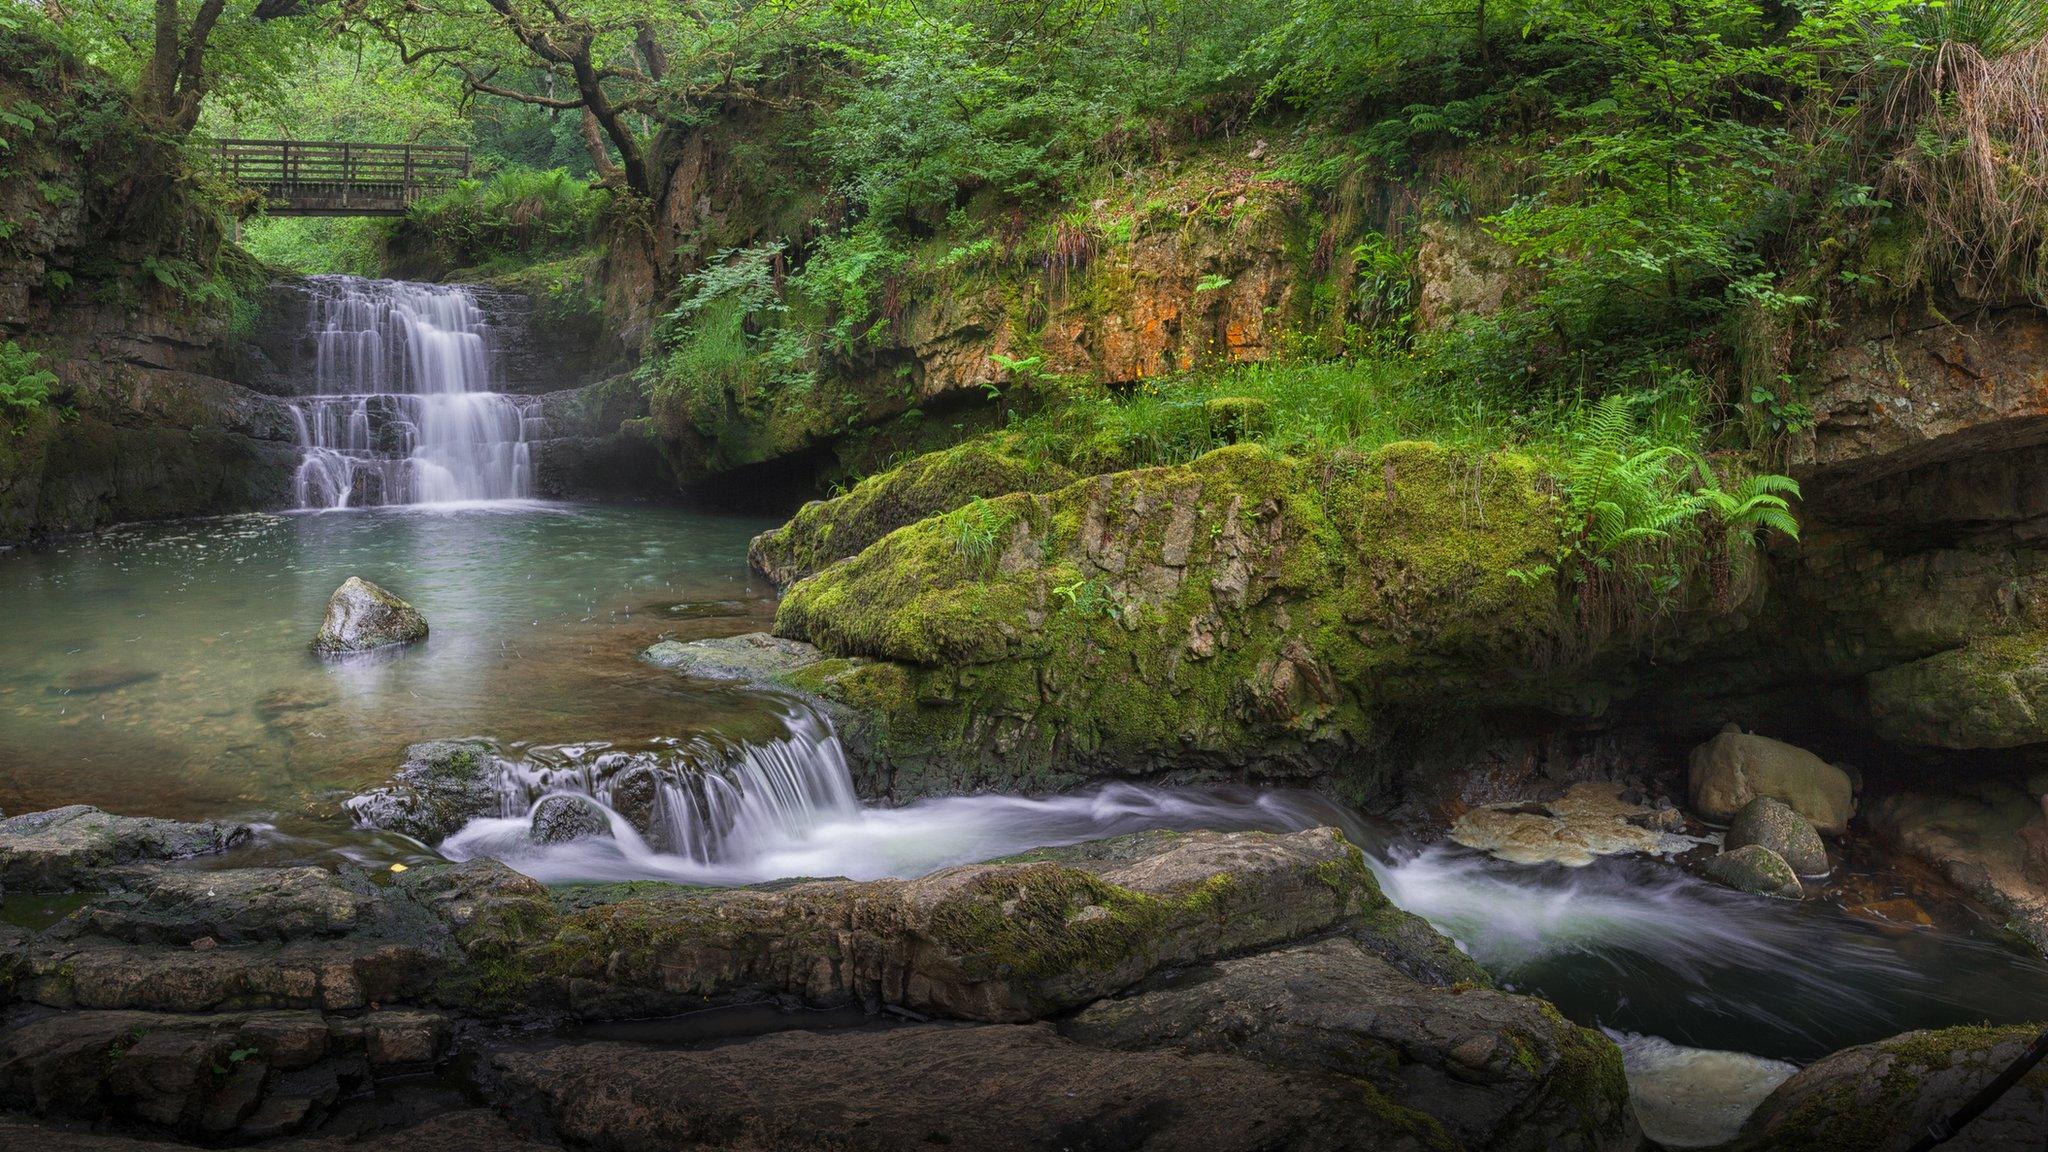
point(1776, 826)
point(1008, 940)
point(1882, 1097)
point(227, 906)
point(245, 1075)
point(992, 1088)
point(1486, 1069)
point(1736, 767)
point(1247, 611)
point(64, 847)
point(362, 617)
point(824, 531)
point(561, 818)
point(1755, 869)
point(442, 785)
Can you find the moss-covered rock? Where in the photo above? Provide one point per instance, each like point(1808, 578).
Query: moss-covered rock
point(1990, 693)
point(1470, 1067)
point(1755, 869)
point(828, 530)
point(442, 785)
point(1776, 826)
point(1882, 1097)
point(1248, 610)
point(67, 847)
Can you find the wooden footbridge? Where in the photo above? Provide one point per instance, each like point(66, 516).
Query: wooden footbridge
point(329, 178)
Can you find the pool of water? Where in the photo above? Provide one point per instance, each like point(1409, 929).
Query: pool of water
point(167, 669)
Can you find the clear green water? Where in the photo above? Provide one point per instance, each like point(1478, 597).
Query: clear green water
point(166, 669)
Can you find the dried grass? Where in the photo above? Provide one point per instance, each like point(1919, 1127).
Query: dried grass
point(1972, 162)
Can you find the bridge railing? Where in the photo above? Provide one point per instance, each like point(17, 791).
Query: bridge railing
point(332, 175)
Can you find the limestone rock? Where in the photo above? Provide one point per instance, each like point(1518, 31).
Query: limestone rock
point(63, 847)
point(755, 657)
point(1776, 826)
point(229, 906)
point(1003, 941)
point(1989, 693)
point(1003, 1088)
point(1976, 832)
point(442, 785)
point(1881, 1097)
point(1735, 767)
point(362, 617)
point(827, 530)
point(1490, 1069)
point(1756, 869)
point(1246, 609)
point(562, 818)
point(241, 1074)
point(1589, 821)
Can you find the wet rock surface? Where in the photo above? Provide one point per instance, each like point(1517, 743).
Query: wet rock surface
point(1884, 1096)
point(265, 1003)
point(562, 819)
point(57, 849)
point(361, 617)
point(1755, 869)
point(1485, 1068)
point(441, 786)
point(1776, 826)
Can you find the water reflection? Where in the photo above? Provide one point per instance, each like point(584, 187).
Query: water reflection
point(166, 667)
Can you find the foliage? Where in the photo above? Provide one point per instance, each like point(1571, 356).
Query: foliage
point(1644, 512)
point(24, 388)
point(516, 216)
point(976, 531)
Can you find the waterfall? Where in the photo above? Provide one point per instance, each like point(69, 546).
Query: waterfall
point(715, 810)
point(402, 408)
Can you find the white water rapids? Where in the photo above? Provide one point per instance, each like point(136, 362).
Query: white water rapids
point(1635, 945)
point(404, 407)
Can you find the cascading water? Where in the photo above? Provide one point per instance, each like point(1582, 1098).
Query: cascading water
point(402, 408)
point(709, 811)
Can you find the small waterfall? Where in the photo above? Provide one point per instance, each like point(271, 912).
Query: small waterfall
point(706, 810)
point(402, 408)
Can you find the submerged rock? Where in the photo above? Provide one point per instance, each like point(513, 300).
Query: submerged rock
point(561, 818)
point(442, 785)
point(362, 617)
point(754, 657)
point(1735, 767)
point(1882, 1097)
point(1756, 869)
point(1776, 826)
point(1695, 1097)
point(64, 847)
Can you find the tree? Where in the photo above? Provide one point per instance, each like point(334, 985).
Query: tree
point(190, 49)
point(619, 64)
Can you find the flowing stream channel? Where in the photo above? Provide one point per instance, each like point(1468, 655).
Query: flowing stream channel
point(165, 670)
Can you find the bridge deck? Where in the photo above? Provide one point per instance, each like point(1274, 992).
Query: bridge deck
point(331, 178)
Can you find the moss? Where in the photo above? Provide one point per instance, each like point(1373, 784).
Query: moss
point(1247, 606)
point(1853, 1111)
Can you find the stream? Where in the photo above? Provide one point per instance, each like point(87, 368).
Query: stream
point(165, 670)
point(171, 663)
